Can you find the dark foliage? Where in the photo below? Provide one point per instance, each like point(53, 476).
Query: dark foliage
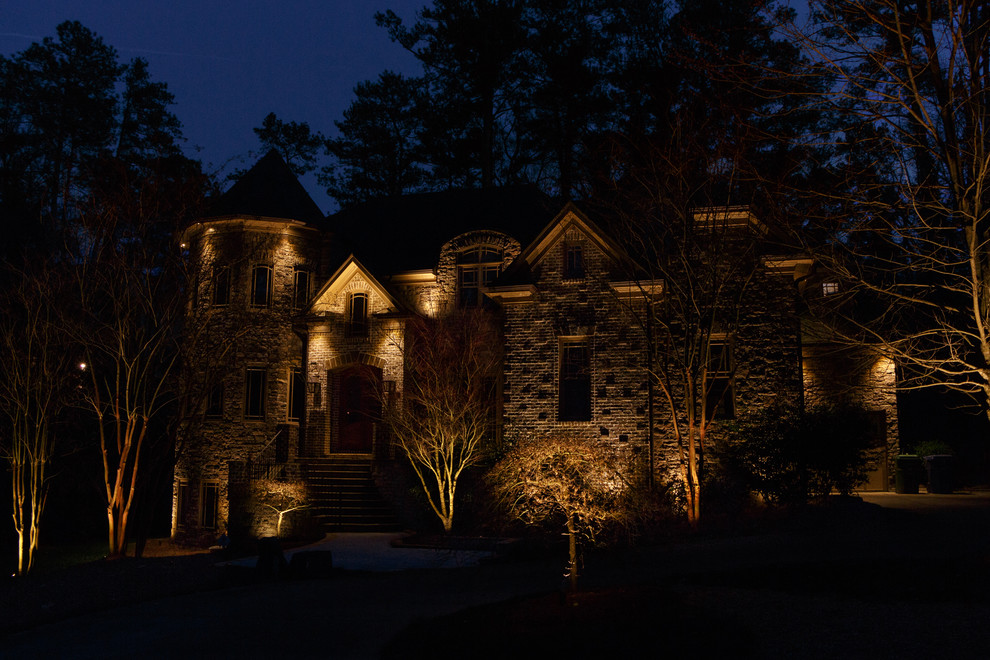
point(790, 458)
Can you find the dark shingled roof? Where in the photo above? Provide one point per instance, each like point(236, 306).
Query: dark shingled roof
point(269, 189)
point(406, 233)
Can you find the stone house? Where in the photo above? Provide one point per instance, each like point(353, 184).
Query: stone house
point(298, 324)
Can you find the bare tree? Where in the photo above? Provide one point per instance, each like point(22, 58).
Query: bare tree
point(34, 371)
point(126, 320)
point(571, 481)
point(446, 414)
point(694, 262)
point(281, 496)
point(903, 227)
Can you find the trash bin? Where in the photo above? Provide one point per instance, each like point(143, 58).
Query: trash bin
point(908, 474)
point(939, 473)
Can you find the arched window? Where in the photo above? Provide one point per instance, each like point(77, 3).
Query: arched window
point(357, 315)
point(261, 285)
point(477, 267)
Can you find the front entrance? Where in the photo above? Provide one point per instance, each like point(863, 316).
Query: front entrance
point(358, 408)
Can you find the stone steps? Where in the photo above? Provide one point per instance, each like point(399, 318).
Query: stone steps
point(344, 498)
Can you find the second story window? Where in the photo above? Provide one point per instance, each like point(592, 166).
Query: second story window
point(300, 288)
point(221, 286)
point(214, 402)
point(357, 315)
point(477, 267)
point(719, 391)
point(574, 399)
point(261, 286)
point(573, 262)
point(255, 387)
point(830, 288)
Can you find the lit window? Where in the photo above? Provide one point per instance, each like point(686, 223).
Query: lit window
point(297, 395)
point(209, 499)
point(575, 381)
point(300, 288)
point(357, 315)
point(261, 286)
point(573, 262)
point(221, 286)
point(830, 288)
point(254, 394)
point(477, 267)
point(719, 390)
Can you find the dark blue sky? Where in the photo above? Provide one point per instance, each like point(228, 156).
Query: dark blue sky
point(231, 63)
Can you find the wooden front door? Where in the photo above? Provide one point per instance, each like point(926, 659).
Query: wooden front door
point(359, 408)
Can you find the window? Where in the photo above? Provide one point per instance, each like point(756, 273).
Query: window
point(297, 394)
point(300, 288)
point(182, 503)
point(208, 501)
point(221, 286)
point(254, 394)
point(357, 315)
point(214, 402)
point(719, 394)
point(573, 262)
point(575, 381)
point(830, 288)
point(261, 286)
point(477, 267)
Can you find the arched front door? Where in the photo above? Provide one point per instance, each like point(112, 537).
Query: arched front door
point(358, 408)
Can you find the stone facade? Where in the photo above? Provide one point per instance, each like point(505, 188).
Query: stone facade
point(575, 348)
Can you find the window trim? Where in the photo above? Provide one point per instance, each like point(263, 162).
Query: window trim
point(296, 396)
point(249, 410)
point(574, 269)
point(214, 402)
point(221, 274)
point(720, 386)
point(569, 408)
point(484, 262)
point(357, 327)
point(269, 288)
point(300, 299)
point(213, 486)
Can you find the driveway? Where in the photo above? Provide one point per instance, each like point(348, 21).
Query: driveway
point(761, 580)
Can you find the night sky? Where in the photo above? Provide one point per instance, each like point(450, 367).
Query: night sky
point(231, 63)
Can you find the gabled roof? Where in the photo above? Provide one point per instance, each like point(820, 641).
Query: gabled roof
point(406, 233)
point(269, 189)
point(569, 217)
point(350, 268)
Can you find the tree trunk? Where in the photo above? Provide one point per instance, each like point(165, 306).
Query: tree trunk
point(572, 566)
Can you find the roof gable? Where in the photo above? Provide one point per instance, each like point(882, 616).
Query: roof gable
point(569, 217)
point(327, 298)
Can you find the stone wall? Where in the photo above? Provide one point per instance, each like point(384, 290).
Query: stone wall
point(227, 340)
point(841, 376)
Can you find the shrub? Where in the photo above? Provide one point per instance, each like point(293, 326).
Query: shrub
point(790, 457)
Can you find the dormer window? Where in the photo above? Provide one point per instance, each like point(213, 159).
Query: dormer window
point(357, 315)
point(477, 267)
point(830, 288)
point(573, 262)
